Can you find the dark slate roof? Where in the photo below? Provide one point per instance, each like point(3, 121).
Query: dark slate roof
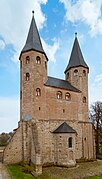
point(58, 83)
point(64, 128)
point(33, 41)
point(76, 58)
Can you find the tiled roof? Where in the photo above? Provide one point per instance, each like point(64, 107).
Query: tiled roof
point(64, 128)
point(33, 41)
point(76, 58)
point(58, 83)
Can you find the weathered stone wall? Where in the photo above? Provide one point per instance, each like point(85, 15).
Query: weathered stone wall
point(13, 151)
point(38, 76)
point(54, 147)
point(80, 81)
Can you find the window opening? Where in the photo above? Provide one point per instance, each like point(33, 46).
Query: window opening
point(38, 92)
point(70, 142)
point(59, 95)
point(84, 99)
point(38, 60)
point(63, 110)
point(76, 72)
point(84, 72)
point(27, 76)
point(68, 96)
point(27, 59)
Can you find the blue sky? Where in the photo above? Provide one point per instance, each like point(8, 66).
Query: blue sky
point(57, 22)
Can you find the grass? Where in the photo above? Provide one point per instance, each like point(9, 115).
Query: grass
point(94, 177)
point(83, 170)
point(16, 172)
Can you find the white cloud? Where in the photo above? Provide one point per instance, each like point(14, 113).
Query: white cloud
point(95, 89)
point(9, 114)
point(15, 20)
point(51, 49)
point(87, 11)
point(98, 78)
point(2, 44)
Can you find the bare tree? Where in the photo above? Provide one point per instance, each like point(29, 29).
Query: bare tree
point(96, 118)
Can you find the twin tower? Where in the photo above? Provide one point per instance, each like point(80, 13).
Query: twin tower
point(53, 127)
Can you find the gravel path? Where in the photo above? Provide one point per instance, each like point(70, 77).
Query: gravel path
point(81, 171)
point(3, 172)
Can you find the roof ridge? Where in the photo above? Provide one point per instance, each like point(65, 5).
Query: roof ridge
point(60, 83)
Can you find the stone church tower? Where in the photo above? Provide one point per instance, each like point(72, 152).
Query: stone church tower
point(53, 127)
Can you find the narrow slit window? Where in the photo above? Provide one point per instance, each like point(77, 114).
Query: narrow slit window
point(70, 142)
point(84, 99)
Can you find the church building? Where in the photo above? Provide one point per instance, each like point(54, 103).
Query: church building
point(54, 128)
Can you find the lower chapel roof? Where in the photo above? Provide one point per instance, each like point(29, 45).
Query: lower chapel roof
point(64, 128)
point(59, 83)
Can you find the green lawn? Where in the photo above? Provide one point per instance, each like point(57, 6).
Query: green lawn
point(82, 170)
point(94, 177)
point(17, 173)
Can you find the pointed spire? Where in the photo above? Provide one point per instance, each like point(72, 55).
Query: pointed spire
point(76, 58)
point(33, 41)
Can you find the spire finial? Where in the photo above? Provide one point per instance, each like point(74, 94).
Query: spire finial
point(33, 13)
point(75, 34)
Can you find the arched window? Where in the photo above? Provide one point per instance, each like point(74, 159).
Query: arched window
point(59, 95)
point(70, 142)
point(68, 96)
point(38, 60)
point(27, 59)
point(76, 72)
point(27, 76)
point(38, 92)
point(84, 72)
point(84, 99)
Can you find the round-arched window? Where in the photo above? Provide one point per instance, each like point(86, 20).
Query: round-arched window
point(27, 59)
point(59, 95)
point(27, 76)
point(76, 72)
point(68, 96)
point(38, 92)
point(38, 60)
point(84, 72)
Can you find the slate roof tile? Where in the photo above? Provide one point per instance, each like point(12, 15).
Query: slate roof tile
point(76, 58)
point(59, 83)
point(64, 128)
